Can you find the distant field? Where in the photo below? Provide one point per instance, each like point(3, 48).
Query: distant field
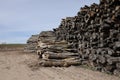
point(12, 45)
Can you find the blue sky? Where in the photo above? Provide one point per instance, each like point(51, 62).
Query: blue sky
point(19, 19)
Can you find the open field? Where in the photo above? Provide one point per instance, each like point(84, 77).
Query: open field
point(18, 65)
point(6, 47)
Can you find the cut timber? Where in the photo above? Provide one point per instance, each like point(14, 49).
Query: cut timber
point(59, 63)
point(113, 60)
point(118, 65)
point(117, 72)
point(71, 50)
point(58, 55)
point(38, 52)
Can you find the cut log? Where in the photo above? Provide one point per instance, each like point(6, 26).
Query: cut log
point(59, 63)
point(118, 65)
point(58, 56)
point(92, 57)
point(102, 59)
point(117, 72)
point(72, 50)
point(113, 60)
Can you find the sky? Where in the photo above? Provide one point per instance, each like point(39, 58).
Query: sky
point(19, 19)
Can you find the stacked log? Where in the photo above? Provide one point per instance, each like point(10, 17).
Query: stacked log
point(45, 40)
point(31, 44)
point(93, 36)
point(95, 33)
point(53, 52)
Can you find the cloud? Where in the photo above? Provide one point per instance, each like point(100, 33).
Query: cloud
point(21, 18)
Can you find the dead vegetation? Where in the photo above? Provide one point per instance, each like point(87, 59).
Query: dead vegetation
point(11, 47)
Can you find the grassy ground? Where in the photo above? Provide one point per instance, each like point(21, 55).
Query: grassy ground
point(12, 45)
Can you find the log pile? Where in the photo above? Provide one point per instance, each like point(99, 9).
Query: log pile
point(53, 52)
point(91, 38)
point(95, 33)
point(31, 44)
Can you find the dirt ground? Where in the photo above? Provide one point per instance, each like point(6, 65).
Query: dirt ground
point(16, 65)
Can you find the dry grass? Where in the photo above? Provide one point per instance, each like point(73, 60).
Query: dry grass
point(11, 46)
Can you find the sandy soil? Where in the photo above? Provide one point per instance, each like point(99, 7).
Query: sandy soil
point(15, 65)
